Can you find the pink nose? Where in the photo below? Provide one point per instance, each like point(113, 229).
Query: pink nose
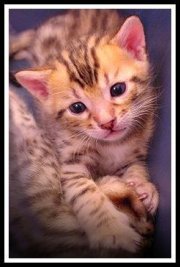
point(108, 125)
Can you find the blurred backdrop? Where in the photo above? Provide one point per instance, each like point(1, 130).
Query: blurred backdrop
point(157, 24)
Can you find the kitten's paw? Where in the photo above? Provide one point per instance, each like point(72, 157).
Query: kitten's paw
point(124, 237)
point(147, 193)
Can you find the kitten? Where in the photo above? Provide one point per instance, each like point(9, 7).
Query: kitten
point(95, 101)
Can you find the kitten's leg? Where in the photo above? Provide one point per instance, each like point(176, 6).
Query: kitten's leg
point(137, 176)
point(104, 225)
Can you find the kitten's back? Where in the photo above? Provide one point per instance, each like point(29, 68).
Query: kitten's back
point(58, 33)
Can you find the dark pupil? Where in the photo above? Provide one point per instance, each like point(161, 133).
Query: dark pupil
point(118, 89)
point(77, 107)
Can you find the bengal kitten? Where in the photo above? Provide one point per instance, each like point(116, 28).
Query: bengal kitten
point(96, 106)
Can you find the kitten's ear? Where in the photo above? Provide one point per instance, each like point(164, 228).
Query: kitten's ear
point(131, 37)
point(35, 81)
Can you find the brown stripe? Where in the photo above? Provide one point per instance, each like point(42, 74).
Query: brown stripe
point(82, 193)
point(94, 21)
point(141, 157)
point(76, 80)
point(76, 183)
point(120, 171)
point(79, 68)
point(139, 80)
point(71, 73)
point(65, 180)
point(71, 161)
point(60, 114)
point(79, 176)
point(69, 173)
point(77, 155)
point(65, 62)
point(95, 210)
point(104, 21)
point(40, 195)
point(75, 24)
point(97, 40)
point(89, 69)
point(96, 63)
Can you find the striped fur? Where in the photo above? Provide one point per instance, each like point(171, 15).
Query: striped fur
point(81, 65)
point(43, 44)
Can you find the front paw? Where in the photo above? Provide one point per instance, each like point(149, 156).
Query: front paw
point(116, 235)
point(147, 193)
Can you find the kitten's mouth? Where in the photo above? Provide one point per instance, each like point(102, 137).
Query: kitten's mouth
point(114, 133)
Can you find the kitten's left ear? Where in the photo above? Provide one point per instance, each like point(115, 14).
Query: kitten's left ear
point(131, 37)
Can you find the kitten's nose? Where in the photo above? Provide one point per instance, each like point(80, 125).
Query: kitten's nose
point(108, 125)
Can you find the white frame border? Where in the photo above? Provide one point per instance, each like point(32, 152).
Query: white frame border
point(173, 133)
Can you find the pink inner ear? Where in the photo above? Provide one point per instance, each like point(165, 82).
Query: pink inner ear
point(37, 86)
point(131, 37)
point(134, 39)
point(34, 81)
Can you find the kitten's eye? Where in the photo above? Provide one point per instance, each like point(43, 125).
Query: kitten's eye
point(77, 107)
point(118, 89)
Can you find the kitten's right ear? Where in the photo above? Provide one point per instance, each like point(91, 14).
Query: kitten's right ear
point(35, 81)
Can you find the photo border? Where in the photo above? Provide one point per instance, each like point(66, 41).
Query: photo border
point(7, 7)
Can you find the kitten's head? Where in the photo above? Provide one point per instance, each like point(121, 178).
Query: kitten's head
point(99, 88)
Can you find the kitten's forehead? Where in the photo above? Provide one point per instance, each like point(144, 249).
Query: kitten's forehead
point(82, 63)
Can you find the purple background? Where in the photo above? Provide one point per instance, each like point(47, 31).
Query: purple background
point(157, 23)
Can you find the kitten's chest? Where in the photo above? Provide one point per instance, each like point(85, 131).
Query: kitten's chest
point(112, 159)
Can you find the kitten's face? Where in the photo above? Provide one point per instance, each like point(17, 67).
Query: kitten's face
point(106, 109)
point(100, 89)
